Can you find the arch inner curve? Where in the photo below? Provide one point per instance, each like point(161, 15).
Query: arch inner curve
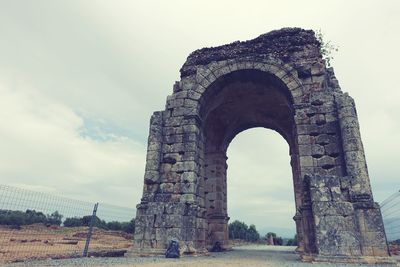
point(236, 102)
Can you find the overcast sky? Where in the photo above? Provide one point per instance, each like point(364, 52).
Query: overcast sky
point(80, 79)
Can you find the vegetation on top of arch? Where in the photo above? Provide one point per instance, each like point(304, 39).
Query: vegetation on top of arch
point(327, 48)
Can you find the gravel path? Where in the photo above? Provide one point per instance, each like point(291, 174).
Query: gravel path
point(254, 255)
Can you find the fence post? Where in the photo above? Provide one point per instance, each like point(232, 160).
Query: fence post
point(89, 234)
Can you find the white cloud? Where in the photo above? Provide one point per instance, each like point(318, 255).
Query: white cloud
point(72, 71)
point(42, 146)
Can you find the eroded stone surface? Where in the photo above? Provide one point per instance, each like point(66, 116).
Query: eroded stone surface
point(278, 81)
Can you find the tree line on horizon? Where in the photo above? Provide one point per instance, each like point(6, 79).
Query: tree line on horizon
point(18, 218)
point(15, 218)
point(240, 230)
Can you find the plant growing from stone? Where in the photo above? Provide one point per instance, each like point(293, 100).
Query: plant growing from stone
point(327, 49)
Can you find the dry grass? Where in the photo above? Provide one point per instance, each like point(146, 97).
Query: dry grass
point(40, 242)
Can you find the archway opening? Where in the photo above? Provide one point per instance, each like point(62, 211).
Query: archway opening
point(234, 103)
point(259, 182)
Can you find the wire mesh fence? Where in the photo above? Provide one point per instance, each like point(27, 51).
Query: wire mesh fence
point(390, 209)
point(35, 225)
point(391, 216)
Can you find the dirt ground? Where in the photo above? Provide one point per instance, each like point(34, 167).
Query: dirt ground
point(245, 255)
point(40, 242)
point(249, 255)
point(38, 245)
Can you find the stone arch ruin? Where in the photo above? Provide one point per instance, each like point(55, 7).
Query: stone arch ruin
point(277, 81)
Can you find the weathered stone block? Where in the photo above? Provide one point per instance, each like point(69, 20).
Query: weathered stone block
point(318, 107)
point(188, 188)
point(355, 156)
point(151, 188)
point(380, 251)
point(173, 103)
point(175, 208)
point(337, 194)
point(320, 194)
point(318, 119)
point(344, 100)
point(188, 198)
point(325, 139)
point(373, 222)
point(353, 144)
point(330, 117)
point(152, 165)
point(349, 122)
point(189, 177)
point(180, 94)
point(173, 233)
point(151, 177)
point(154, 146)
point(168, 220)
point(317, 151)
point(190, 129)
point(348, 111)
point(326, 162)
point(306, 161)
point(303, 139)
point(305, 150)
point(189, 156)
point(174, 121)
point(373, 239)
point(184, 166)
point(153, 155)
point(334, 242)
point(222, 71)
point(315, 130)
point(189, 222)
point(167, 187)
point(199, 88)
point(350, 133)
point(328, 208)
point(162, 197)
point(356, 170)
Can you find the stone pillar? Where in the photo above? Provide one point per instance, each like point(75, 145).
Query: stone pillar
point(299, 231)
point(145, 233)
point(170, 206)
point(367, 215)
point(216, 199)
point(270, 240)
point(298, 195)
point(356, 166)
point(153, 158)
point(335, 227)
point(307, 220)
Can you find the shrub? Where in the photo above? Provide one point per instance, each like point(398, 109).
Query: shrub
point(18, 218)
point(73, 222)
point(292, 241)
point(128, 227)
point(240, 230)
point(54, 218)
